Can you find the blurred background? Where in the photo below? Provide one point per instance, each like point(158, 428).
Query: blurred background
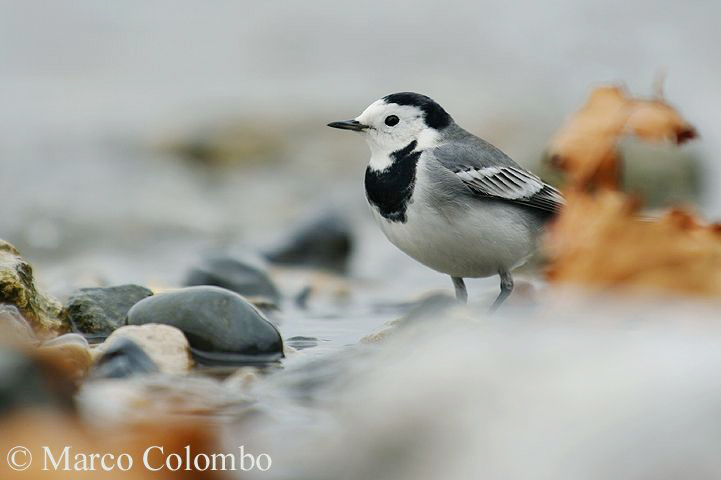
point(135, 134)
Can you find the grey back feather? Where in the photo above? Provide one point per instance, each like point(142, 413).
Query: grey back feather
point(488, 172)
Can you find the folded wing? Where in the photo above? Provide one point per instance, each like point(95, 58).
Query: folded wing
point(513, 184)
point(488, 172)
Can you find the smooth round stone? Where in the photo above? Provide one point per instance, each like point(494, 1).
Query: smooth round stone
point(164, 344)
point(233, 274)
point(123, 359)
point(223, 328)
point(97, 312)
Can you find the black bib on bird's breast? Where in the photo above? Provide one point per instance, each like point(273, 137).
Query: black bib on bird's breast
point(390, 190)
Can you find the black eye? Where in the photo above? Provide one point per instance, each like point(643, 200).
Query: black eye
point(391, 120)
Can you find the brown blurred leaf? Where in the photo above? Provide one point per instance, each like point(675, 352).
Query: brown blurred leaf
point(585, 148)
point(600, 241)
point(37, 430)
point(654, 120)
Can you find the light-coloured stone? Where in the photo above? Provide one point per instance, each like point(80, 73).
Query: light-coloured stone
point(166, 345)
point(71, 351)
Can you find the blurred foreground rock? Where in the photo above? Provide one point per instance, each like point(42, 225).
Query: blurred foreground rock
point(97, 312)
point(221, 326)
point(17, 287)
point(28, 381)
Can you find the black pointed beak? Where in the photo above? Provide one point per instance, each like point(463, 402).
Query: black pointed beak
point(354, 125)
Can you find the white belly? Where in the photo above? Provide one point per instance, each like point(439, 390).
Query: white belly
point(477, 241)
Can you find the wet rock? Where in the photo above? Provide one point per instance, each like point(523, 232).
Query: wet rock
point(97, 312)
point(236, 275)
point(14, 329)
point(17, 287)
point(124, 358)
point(71, 351)
point(324, 242)
point(165, 345)
point(27, 382)
point(223, 328)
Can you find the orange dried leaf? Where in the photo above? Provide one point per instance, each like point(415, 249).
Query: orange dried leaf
point(654, 120)
point(585, 148)
point(38, 431)
point(599, 241)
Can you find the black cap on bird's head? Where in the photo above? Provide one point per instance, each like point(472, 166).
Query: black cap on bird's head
point(435, 116)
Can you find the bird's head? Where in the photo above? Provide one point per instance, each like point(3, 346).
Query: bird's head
point(394, 121)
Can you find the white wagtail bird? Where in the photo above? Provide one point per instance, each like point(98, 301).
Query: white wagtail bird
point(447, 198)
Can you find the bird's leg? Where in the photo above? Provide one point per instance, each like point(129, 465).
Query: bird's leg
point(461, 293)
point(506, 289)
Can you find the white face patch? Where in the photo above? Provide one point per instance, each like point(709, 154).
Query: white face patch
point(385, 139)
